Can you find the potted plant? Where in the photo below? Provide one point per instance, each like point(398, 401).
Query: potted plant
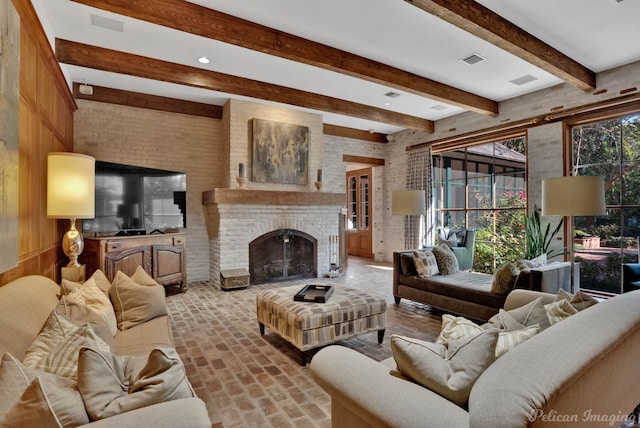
point(539, 238)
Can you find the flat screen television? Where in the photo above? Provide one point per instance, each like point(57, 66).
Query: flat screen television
point(134, 200)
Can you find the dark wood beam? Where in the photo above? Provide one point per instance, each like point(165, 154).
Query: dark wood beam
point(482, 22)
point(154, 102)
point(363, 160)
point(195, 19)
point(99, 58)
point(357, 134)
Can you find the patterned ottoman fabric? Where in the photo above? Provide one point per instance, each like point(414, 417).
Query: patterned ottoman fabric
point(306, 325)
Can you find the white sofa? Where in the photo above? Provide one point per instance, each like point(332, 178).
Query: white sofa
point(25, 305)
point(580, 372)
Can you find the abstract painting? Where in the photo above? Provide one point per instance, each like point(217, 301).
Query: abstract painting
point(9, 151)
point(280, 152)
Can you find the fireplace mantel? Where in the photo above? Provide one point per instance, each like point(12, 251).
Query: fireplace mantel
point(271, 197)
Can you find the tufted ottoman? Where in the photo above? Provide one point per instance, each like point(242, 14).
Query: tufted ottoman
point(307, 325)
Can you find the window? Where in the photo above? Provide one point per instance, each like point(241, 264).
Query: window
point(610, 148)
point(484, 187)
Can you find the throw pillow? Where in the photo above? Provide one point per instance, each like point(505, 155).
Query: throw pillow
point(74, 307)
point(557, 311)
point(15, 379)
point(507, 340)
point(136, 303)
point(448, 369)
point(539, 261)
point(408, 265)
point(55, 349)
point(447, 261)
point(504, 278)
point(531, 314)
point(95, 300)
point(456, 327)
point(426, 264)
point(46, 404)
point(111, 384)
point(580, 300)
point(503, 320)
point(102, 281)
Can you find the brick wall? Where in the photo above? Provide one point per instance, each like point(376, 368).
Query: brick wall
point(161, 140)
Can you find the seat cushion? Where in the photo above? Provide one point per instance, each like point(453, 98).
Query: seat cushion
point(142, 338)
point(469, 286)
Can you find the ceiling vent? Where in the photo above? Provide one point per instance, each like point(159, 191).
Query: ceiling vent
point(109, 24)
point(523, 80)
point(438, 107)
point(473, 59)
point(392, 94)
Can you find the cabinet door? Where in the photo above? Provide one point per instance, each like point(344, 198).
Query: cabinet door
point(128, 261)
point(169, 264)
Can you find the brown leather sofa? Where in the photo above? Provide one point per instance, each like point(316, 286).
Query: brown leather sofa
point(469, 293)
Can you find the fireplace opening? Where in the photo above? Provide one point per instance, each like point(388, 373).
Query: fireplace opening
point(282, 255)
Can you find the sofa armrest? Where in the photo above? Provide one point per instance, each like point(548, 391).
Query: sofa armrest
point(364, 393)
point(552, 277)
point(520, 297)
point(185, 413)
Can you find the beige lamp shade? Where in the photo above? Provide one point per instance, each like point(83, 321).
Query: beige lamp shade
point(408, 202)
point(70, 186)
point(575, 195)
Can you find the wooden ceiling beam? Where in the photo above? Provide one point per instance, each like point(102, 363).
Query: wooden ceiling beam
point(482, 22)
point(154, 102)
point(357, 134)
point(98, 58)
point(205, 22)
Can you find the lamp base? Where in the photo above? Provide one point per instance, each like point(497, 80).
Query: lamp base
point(74, 273)
point(318, 185)
point(73, 244)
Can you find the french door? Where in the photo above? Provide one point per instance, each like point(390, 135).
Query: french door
point(359, 213)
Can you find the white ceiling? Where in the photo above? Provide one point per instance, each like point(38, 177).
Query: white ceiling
point(599, 34)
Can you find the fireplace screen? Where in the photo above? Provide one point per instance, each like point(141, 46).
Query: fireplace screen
point(282, 255)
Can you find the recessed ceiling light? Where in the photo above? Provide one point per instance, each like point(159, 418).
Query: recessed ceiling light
point(388, 103)
point(203, 60)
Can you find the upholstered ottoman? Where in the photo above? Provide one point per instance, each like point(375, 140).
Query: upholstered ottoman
point(307, 325)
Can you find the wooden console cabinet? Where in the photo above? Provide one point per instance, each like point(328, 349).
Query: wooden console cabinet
point(163, 257)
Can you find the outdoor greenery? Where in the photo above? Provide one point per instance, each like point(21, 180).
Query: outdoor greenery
point(612, 149)
point(501, 233)
point(609, 148)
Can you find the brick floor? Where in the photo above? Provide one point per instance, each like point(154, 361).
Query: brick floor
point(248, 380)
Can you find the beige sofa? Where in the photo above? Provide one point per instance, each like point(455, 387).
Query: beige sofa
point(25, 305)
point(581, 372)
point(469, 293)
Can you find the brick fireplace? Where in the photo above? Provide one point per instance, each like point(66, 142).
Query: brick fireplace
point(236, 218)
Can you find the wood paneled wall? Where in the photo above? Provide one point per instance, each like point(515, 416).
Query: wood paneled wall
point(46, 125)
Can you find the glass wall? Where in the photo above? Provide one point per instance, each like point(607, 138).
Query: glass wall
point(484, 187)
point(609, 148)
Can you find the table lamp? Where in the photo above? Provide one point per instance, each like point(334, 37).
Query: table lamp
point(409, 202)
point(71, 194)
point(573, 195)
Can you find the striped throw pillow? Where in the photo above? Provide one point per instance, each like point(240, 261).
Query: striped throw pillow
point(56, 348)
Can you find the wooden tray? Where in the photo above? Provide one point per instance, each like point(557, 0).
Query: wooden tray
point(314, 293)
